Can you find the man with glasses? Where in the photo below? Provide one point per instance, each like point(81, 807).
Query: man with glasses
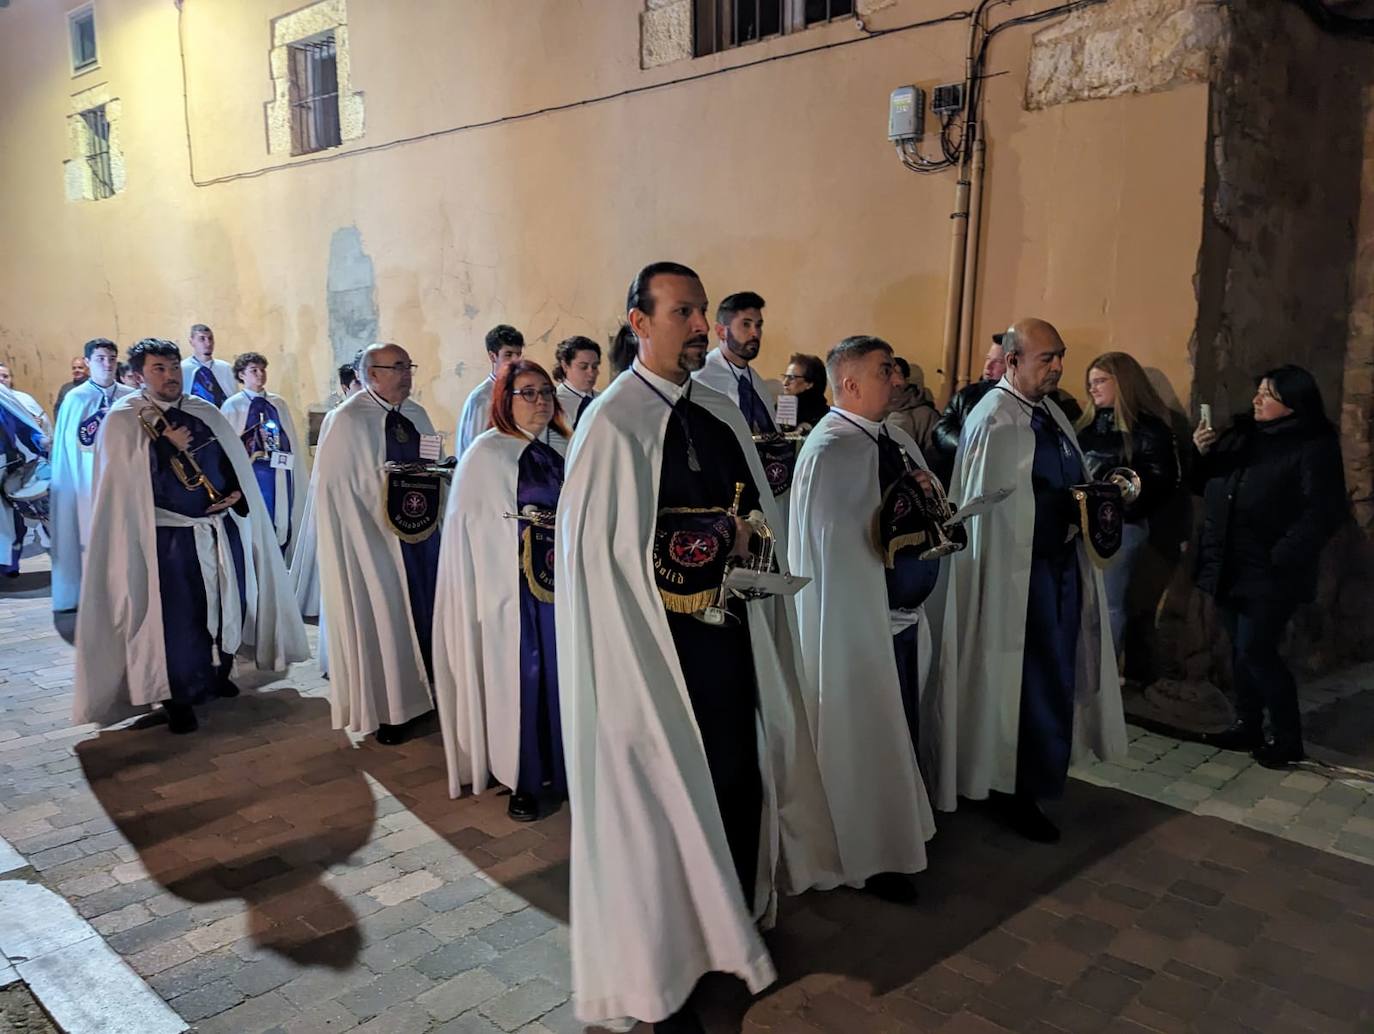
point(378, 550)
point(505, 344)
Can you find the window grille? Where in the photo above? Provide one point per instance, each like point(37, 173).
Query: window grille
point(724, 24)
point(98, 152)
point(314, 95)
point(82, 26)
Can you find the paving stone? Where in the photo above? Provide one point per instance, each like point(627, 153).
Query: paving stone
point(465, 954)
point(522, 1004)
point(255, 978)
point(412, 885)
point(450, 894)
point(198, 972)
point(516, 929)
point(469, 1023)
point(544, 957)
point(251, 1017)
point(385, 991)
point(460, 993)
point(207, 1001)
point(398, 950)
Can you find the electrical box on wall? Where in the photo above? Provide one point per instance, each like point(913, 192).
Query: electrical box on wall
point(948, 99)
point(906, 114)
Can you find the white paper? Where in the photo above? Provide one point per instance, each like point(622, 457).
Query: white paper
point(787, 411)
point(283, 460)
point(974, 507)
point(429, 446)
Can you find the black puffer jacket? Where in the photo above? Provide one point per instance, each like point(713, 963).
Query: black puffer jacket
point(811, 406)
point(1153, 456)
point(1272, 494)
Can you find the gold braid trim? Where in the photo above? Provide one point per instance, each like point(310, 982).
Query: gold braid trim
point(889, 556)
point(527, 565)
point(679, 604)
point(1098, 559)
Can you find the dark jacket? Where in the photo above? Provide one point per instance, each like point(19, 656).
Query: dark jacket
point(811, 406)
point(1154, 457)
point(1272, 494)
point(944, 439)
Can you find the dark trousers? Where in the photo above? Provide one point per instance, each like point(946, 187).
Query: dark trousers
point(10, 564)
point(421, 562)
point(1262, 680)
point(191, 670)
point(542, 770)
point(718, 667)
point(1045, 731)
point(909, 680)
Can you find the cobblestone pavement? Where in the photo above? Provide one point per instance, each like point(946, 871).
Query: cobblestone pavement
point(269, 873)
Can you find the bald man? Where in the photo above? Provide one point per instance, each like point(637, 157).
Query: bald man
point(378, 549)
point(1037, 673)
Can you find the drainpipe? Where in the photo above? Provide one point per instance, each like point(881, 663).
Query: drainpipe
point(953, 302)
point(963, 369)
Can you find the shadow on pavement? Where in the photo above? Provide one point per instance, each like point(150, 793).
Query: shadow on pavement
point(253, 806)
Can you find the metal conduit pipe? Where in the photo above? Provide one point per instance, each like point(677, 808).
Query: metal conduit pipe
point(964, 368)
point(954, 300)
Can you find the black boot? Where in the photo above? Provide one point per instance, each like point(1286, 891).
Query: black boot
point(684, 1021)
point(390, 735)
point(1245, 734)
point(1279, 755)
point(181, 718)
point(892, 886)
point(523, 807)
point(1028, 819)
point(226, 689)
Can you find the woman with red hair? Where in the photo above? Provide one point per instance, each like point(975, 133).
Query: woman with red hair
point(495, 661)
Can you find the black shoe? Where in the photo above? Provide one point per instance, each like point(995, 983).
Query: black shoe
point(181, 718)
point(892, 886)
point(226, 689)
point(1274, 755)
point(1245, 736)
point(1027, 818)
point(523, 807)
point(390, 735)
point(684, 1021)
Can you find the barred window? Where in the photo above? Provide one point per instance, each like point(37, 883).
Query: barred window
point(724, 24)
point(98, 152)
point(314, 94)
point(81, 26)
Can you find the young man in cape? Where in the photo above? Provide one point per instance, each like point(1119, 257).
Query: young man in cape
point(22, 440)
point(73, 468)
point(1036, 669)
point(263, 423)
point(183, 571)
point(739, 329)
point(866, 639)
point(378, 550)
point(203, 375)
point(505, 344)
point(695, 795)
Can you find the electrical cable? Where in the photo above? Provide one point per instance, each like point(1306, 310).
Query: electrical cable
point(869, 34)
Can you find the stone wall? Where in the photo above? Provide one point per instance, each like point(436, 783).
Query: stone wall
point(1124, 46)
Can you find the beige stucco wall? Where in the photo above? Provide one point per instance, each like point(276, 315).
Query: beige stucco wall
point(776, 178)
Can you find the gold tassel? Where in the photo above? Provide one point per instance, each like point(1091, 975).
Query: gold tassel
point(527, 564)
point(1098, 560)
point(680, 604)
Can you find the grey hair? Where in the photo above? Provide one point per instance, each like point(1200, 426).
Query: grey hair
point(848, 350)
point(1011, 342)
point(363, 364)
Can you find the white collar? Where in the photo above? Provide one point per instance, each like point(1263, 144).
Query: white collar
point(738, 372)
point(672, 392)
point(580, 394)
point(255, 394)
point(164, 406)
point(873, 427)
point(207, 363)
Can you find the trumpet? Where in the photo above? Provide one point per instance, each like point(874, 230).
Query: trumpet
point(183, 464)
point(443, 469)
point(535, 515)
point(760, 562)
point(1127, 480)
point(940, 512)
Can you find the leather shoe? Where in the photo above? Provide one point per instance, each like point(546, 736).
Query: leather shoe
point(891, 886)
point(523, 807)
point(1245, 736)
point(181, 718)
point(390, 735)
point(1031, 822)
point(226, 689)
point(684, 1021)
point(1274, 755)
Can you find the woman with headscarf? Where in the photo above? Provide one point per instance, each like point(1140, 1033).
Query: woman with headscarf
point(1273, 492)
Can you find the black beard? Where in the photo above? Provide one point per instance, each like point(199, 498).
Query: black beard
point(745, 350)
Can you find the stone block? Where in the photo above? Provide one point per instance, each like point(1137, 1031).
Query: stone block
point(460, 993)
point(666, 33)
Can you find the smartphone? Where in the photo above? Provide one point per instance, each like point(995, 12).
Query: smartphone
point(1206, 419)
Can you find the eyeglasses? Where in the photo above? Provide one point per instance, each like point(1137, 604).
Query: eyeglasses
point(398, 367)
point(788, 378)
point(533, 394)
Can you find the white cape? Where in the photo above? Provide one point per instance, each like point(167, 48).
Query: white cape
point(991, 581)
point(655, 899)
point(222, 371)
point(376, 671)
point(878, 801)
point(475, 417)
point(12, 404)
point(477, 618)
point(33, 411)
point(121, 660)
point(72, 490)
point(305, 566)
point(287, 512)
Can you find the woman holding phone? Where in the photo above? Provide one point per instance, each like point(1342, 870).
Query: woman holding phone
point(1273, 492)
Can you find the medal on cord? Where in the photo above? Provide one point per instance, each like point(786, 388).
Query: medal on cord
point(693, 464)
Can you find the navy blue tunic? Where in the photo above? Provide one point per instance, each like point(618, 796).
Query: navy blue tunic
point(541, 730)
point(191, 648)
point(421, 559)
point(14, 432)
point(262, 419)
point(1052, 615)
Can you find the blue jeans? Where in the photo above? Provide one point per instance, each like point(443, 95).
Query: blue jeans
point(1117, 577)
